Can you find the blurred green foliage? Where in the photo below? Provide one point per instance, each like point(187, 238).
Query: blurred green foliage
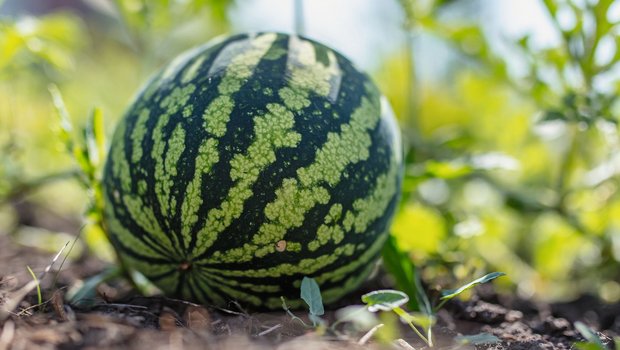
point(515, 170)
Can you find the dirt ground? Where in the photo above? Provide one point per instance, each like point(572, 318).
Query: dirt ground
point(118, 318)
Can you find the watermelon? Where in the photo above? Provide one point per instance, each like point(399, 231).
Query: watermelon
point(251, 162)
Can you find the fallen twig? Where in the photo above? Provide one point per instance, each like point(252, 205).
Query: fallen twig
point(269, 330)
point(363, 340)
point(6, 337)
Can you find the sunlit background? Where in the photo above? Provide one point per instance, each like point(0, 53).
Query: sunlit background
point(509, 109)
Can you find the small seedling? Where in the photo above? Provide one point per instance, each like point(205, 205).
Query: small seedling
point(311, 294)
point(36, 280)
point(392, 300)
point(593, 341)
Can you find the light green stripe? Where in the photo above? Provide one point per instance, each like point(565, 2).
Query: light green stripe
point(176, 99)
point(308, 75)
point(137, 135)
point(167, 284)
point(276, 303)
point(241, 66)
point(373, 206)
point(207, 157)
point(258, 288)
point(190, 72)
point(145, 218)
point(311, 265)
point(129, 240)
point(297, 196)
point(216, 116)
point(330, 230)
point(365, 210)
point(348, 286)
point(236, 294)
point(200, 283)
point(347, 147)
point(366, 257)
point(120, 166)
point(271, 132)
point(306, 266)
point(157, 154)
point(328, 295)
point(166, 171)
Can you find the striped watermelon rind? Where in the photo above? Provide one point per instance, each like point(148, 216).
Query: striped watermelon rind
point(247, 164)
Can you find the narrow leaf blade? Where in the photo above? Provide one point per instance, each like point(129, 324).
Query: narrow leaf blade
point(589, 334)
point(451, 293)
point(403, 270)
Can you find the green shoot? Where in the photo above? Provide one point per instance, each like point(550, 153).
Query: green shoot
point(292, 315)
point(402, 269)
point(391, 300)
point(36, 280)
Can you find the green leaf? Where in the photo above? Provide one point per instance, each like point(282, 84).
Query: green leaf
point(482, 338)
point(84, 294)
point(451, 293)
point(34, 278)
point(66, 128)
point(311, 294)
point(384, 300)
point(588, 346)
point(402, 268)
point(95, 138)
point(447, 169)
point(590, 335)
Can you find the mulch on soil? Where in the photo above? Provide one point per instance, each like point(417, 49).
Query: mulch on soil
point(120, 319)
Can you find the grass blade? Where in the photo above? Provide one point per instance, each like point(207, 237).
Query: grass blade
point(400, 266)
point(451, 293)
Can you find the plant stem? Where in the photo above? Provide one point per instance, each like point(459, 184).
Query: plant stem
point(401, 313)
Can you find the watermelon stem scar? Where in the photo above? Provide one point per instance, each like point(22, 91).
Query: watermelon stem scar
point(249, 163)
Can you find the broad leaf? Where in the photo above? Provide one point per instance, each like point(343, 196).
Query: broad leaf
point(384, 300)
point(311, 294)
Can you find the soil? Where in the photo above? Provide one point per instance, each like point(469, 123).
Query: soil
point(118, 318)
